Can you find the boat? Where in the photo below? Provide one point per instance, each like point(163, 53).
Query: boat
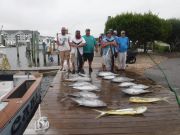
point(2, 46)
point(20, 96)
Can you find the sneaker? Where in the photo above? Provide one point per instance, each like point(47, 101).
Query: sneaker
point(82, 71)
point(61, 68)
point(73, 72)
point(69, 71)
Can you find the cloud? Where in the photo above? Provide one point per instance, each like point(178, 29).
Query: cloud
point(48, 16)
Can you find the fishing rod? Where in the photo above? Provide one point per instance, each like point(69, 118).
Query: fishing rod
point(166, 79)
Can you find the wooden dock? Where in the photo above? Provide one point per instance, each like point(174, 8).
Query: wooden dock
point(66, 118)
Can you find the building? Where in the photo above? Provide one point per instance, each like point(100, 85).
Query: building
point(22, 37)
point(46, 39)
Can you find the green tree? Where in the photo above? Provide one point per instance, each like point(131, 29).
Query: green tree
point(174, 37)
point(142, 27)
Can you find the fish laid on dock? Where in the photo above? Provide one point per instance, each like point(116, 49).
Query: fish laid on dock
point(78, 84)
point(140, 86)
point(132, 91)
point(126, 84)
point(89, 102)
point(87, 88)
point(102, 74)
point(146, 100)
point(122, 79)
point(84, 94)
point(128, 111)
point(109, 77)
point(75, 79)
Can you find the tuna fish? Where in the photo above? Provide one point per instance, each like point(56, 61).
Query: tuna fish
point(147, 100)
point(102, 74)
point(139, 86)
point(84, 94)
point(132, 91)
point(78, 84)
point(122, 79)
point(109, 77)
point(89, 102)
point(75, 79)
point(87, 88)
point(128, 111)
point(126, 84)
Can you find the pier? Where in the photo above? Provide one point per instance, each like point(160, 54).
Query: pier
point(67, 118)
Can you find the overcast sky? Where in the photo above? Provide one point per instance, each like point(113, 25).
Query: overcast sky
point(48, 16)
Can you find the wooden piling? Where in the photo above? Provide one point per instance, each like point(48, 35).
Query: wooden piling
point(37, 48)
point(17, 46)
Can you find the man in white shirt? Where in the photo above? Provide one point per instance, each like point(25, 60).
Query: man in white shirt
point(63, 42)
point(77, 52)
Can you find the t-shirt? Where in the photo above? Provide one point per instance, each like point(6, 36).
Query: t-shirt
point(107, 48)
point(77, 42)
point(64, 42)
point(123, 43)
point(90, 43)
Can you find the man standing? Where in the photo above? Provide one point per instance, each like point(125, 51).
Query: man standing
point(108, 45)
point(77, 52)
point(89, 49)
point(63, 42)
point(123, 44)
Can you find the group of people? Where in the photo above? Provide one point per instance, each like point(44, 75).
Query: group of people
point(80, 49)
point(114, 47)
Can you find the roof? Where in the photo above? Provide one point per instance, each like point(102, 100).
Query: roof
point(15, 31)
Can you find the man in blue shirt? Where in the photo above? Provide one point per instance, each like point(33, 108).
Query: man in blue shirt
point(123, 44)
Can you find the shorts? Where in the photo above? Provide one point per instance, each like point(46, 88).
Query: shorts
point(88, 56)
point(65, 55)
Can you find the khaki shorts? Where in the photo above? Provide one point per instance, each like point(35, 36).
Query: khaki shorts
point(65, 55)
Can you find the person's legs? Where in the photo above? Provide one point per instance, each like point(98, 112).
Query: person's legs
point(73, 59)
point(85, 58)
point(80, 66)
point(62, 59)
point(90, 60)
point(120, 60)
point(67, 57)
point(124, 60)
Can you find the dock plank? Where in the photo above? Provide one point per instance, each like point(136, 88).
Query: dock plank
point(67, 118)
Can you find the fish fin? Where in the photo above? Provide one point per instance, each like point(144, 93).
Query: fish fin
point(166, 99)
point(100, 115)
point(64, 99)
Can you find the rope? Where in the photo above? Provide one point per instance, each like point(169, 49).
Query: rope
point(166, 79)
point(42, 124)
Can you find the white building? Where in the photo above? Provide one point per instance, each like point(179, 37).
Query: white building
point(22, 36)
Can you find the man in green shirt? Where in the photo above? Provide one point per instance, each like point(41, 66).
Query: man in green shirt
point(88, 49)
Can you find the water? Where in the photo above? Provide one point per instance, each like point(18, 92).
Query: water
point(24, 61)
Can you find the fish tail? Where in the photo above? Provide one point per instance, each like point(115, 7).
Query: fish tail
point(166, 99)
point(100, 115)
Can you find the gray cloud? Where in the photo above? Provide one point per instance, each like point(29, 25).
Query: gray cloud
point(48, 16)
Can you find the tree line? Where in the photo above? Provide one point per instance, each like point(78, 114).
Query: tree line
point(147, 27)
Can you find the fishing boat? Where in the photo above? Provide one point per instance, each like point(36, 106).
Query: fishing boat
point(2, 46)
point(20, 96)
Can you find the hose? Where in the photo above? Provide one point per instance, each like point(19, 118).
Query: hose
point(42, 124)
point(166, 79)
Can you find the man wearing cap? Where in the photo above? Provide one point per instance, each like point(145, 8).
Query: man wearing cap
point(89, 48)
point(123, 44)
point(63, 42)
point(77, 52)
